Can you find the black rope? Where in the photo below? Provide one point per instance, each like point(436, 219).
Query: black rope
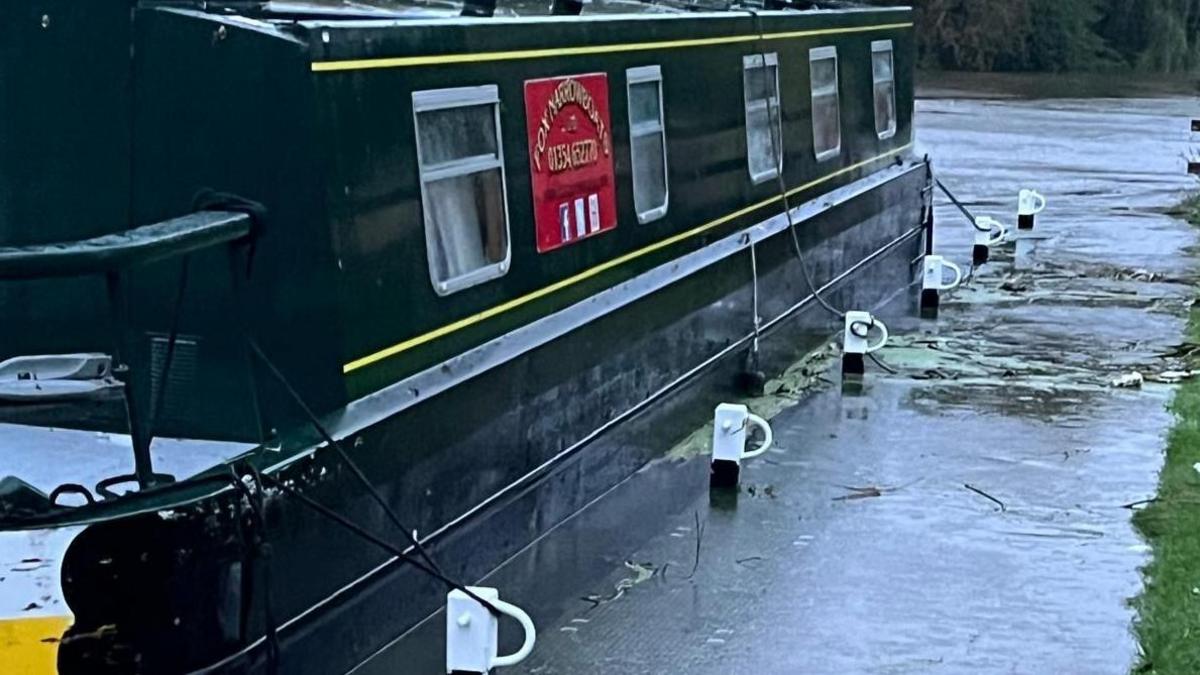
point(337, 447)
point(271, 639)
point(386, 545)
point(208, 199)
point(883, 365)
point(775, 143)
point(429, 566)
point(103, 486)
point(946, 191)
point(776, 147)
point(160, 396)
point(262, 547)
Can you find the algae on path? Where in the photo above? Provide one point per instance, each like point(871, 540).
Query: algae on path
point(780, 393)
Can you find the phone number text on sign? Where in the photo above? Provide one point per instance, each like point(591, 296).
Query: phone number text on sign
point(570, 158)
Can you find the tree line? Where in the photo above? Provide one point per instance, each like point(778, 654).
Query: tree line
point(1058, 35)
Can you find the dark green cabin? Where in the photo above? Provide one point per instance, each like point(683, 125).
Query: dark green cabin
point(365, 222)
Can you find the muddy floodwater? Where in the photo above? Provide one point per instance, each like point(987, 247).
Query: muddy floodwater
point(964, 514)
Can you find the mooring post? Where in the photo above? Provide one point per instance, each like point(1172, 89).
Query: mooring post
point(731, 424)
point(933, 282)
point(931, 184)
point(1193, 165)
point(988, 233)
point(1029, 204)
point(856, 344)
point(473, 632)
point(980, 252)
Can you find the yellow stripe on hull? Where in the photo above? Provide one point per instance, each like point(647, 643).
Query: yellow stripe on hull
point(587, 50)
point(408, 344)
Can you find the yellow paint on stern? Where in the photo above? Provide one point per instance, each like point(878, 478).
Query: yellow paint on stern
point(30, 646)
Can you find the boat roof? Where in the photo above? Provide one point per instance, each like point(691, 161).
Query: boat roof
point(362, 13)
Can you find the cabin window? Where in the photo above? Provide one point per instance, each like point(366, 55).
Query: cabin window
point(884, 76)
point(764, 137)
point(462, 185)
point(826, 112)
point(647, 142)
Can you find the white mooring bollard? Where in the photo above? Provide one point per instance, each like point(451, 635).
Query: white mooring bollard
point(995, 234)
point(473, 634)
point(731, 424)
point(933, 281)
point(1029, 204)
point(856, 341)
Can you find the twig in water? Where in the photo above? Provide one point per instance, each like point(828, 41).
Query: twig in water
point(1140, 502)
point(981, 493)
point(859, 493)
point(871, 491)
point(751, 558)
point(883, 365)
point(699, 537)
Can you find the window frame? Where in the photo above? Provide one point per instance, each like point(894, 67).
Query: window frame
point(763, 60)
point(878, 46)
point(432, 100)
point(822, 54)
point(642, 75)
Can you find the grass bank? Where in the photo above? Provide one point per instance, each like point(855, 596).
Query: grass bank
point(1168, 623)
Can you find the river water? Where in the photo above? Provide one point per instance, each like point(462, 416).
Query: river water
point(966, 513)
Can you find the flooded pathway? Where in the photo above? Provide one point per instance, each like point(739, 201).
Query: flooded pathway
point(962, 515)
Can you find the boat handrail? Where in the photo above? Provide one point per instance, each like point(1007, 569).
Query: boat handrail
point(221, 218)
point(138, 246)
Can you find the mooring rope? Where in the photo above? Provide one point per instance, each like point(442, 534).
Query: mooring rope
point(961, 207)
point(754, 278)
point(260, 545)
point(775, 129)
point(345, 457)
point(429, 567)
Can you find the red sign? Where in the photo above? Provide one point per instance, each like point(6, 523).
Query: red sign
point(570, 158)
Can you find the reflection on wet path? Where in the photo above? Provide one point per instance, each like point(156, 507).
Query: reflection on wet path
point(963, 515)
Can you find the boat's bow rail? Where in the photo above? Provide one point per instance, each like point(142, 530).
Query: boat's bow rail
point(111, 253)
point(111, 256)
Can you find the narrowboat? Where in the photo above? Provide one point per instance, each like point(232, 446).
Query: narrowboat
point(309, 307)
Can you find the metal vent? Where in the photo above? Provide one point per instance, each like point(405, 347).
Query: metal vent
point(179, 380)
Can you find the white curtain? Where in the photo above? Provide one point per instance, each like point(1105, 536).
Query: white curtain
point(456, 226)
